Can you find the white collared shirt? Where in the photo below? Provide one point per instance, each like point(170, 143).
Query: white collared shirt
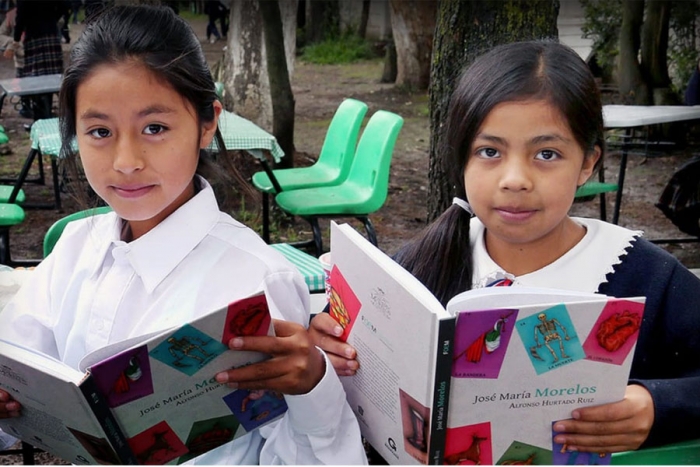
point(94, 290)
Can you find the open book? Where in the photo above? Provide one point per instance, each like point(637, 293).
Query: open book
point(151, 400)
point(482, 380)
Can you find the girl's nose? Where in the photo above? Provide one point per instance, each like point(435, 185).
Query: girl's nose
point(515, 175)
point(129, 157)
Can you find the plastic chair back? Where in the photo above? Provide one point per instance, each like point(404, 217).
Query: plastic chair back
point(334, 160)
point(54, 233)
point(370, 166)
point(341, 139)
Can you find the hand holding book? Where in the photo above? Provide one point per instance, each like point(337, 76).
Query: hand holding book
point(325, 333)
point(8, 406)
point(295, 367)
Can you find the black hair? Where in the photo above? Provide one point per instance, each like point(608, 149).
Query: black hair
point(165, 44)
point(441, 256)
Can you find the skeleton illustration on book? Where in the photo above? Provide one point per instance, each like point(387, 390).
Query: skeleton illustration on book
point(181, 348)
point(548, 329)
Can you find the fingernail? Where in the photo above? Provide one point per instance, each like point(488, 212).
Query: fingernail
point(576, 414)
point(349, 352)
point(559, 439)
point(12, 406)
point(338, 331)
point(236, 343)
point(558, 427)
point(353, 365)
point(222, 378)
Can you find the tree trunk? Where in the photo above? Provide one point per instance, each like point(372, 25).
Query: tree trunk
point(654, 51)
point(364, 19)
point(413, 27)
point(389, 72)
point(631, 81)
point(322, 20)
point(280, 85)
point(464, 30)
point(246, 82)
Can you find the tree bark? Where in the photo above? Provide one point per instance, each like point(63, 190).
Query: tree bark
point(364, 19)
point(464, 30)
point(631, 81)
point(654, 50)
point(245, 77)
point(280, 85)
point(322, 20)
point(413, 27)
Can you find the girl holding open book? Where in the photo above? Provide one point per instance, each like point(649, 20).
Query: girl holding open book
point(139, 99)
point(524, 131)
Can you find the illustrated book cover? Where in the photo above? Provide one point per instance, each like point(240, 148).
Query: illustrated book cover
point(152, 400)
point(482, 380)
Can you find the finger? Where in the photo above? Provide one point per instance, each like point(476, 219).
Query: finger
point(341, 364)
point(593, 428)
point(325, 324)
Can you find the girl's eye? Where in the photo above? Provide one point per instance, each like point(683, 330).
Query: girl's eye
point(99, 133)
point(154, 129)
point(547, 155)
point(488, 153)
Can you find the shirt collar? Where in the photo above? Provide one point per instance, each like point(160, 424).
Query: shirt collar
point(157, 253)
point(582, 268)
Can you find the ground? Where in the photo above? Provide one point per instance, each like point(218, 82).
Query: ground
point(318, 90)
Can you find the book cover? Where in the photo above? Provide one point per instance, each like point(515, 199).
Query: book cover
point(482, 380)
point(153, 402)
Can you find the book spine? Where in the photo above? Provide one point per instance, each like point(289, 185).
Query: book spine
point(441, 390)
point(109, 424)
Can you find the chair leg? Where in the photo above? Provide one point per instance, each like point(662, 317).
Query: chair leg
point(266, 217)
point(28, 454)
point(318, 237)
point(56, 187)
point(369, 228)
point(5, 246)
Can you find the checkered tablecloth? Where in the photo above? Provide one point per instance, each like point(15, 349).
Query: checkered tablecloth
point(238, 133)
point(309, 266)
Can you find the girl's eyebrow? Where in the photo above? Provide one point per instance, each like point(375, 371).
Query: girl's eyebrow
point(548, 138)
point(492, 138)
point(150, 110)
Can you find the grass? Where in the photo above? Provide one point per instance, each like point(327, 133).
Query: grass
point(347, 48)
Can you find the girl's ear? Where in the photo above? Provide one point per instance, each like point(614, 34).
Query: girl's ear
point(589, 164)
point(209, 128)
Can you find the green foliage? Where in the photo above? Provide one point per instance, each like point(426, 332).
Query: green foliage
point(347, 48)
point(602, 21)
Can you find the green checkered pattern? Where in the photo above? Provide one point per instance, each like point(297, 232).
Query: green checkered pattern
point(309, 266)
point(238, 133)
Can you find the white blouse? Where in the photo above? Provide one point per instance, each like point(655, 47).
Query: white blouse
point(94, 290)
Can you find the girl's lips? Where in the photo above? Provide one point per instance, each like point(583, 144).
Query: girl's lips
point(515, 215)
point(132, 191)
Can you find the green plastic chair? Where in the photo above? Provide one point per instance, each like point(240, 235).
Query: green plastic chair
point(54, 233)
point(591, 189)
point(363, 191)
point(10, 215)
point(683, 453)
point(332, 166)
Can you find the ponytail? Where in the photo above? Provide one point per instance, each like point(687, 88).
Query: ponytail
point(441, 255)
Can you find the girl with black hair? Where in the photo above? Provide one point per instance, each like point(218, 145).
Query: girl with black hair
point(140, 102)
point(524, 131)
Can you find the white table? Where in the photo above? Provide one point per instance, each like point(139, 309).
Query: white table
point(29, 86)
point(629, 117)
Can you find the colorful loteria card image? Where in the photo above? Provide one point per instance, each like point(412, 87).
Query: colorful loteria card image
point(124, 377)
point(188, 350)
point(550, 339)
point(562, 456)
point(249, 317)
point(525, 454)
point(344, 304)
point(469, 445)
point(415, 421)
point(481, 340)
point(255, 407)
point(615, 332)
point(157, 445)
point(206, 435)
